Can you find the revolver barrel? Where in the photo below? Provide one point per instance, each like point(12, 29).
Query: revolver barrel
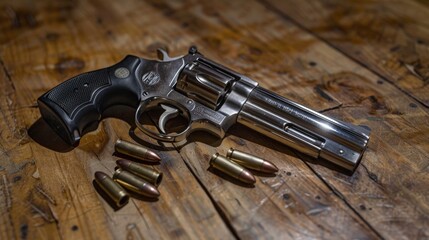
point(236, 98)
point(304, 129)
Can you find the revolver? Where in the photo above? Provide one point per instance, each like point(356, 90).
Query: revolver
point(209, 96)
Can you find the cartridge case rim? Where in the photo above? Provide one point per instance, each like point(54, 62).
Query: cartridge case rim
point(115, 192)
point(213, 158)
point(229, 152)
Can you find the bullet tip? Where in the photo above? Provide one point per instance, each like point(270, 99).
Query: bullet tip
point(100, 175)
point(247, 177)
point(154, 192)
point(153, 156)
point(268, 167)
point(149, 190)
point(123, 163)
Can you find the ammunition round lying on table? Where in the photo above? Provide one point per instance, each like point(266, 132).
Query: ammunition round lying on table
point(112, 189)
point(148, 174)
point(250, 161)
point(231, 168)
point(135, 183)
point(136, 151)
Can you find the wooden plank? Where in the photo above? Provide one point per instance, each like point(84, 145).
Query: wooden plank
point(290, 205)
point(390, 38)
point(70, 68)
point(300, 196)
point(268, 221)
point(399, 123)
point(397, 158)
point(56, 51)
point(395, 163)
point(23, 210)
point(304, 201)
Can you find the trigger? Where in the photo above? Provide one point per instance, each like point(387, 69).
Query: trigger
point(168, 114)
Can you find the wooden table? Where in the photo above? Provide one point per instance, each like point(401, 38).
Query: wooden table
point(365, 62)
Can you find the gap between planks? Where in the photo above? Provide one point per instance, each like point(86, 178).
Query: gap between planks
point(218, 209)
point(284, 16)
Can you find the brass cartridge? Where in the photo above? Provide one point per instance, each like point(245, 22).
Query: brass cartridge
point(148, 174)
point(135, 183)
point(136, 151)
point(251, 161)
point(112, 189)
point(232, 169)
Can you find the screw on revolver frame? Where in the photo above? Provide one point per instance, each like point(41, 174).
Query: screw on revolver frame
point(122, 72)
point(232, 169)
point(136, 151)
point(251, 161)
point(135, 183)
point(193, 50)
point(112, 189)
point(151, 175)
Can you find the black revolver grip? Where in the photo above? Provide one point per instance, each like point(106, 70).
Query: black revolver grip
point(78, 103)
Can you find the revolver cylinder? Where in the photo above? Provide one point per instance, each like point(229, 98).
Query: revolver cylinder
point(204, 84)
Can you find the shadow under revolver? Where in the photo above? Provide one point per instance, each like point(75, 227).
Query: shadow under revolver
point(45, 136)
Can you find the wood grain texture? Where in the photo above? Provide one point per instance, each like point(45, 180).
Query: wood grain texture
point(363, 98)
point(390, 38)
point(49, 193)
point(79, 212)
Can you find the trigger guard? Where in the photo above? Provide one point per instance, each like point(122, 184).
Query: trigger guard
point(153, 102)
